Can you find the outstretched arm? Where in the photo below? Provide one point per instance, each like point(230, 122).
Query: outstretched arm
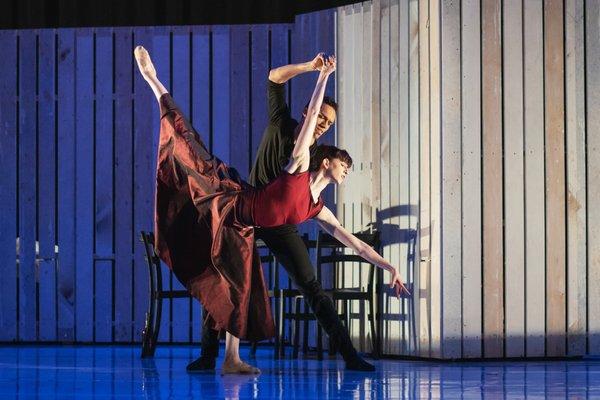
point(300, 158)
point(286, 72)
point(329, 222)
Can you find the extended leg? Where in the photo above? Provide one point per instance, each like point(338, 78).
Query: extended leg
point(288, 247)
point(148, 71)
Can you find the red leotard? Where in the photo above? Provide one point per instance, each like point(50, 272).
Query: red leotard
point(285, 200)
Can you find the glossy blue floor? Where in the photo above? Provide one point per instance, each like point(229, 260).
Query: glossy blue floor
point(81, 372)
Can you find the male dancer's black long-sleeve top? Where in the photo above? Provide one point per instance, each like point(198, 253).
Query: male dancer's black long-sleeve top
point(278, 138)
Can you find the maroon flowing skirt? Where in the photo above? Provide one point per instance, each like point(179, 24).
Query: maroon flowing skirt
point(198, 234)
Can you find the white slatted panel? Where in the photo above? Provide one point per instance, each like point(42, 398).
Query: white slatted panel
point(389, 79)
point(400, 157)
point(592, 14)
point(412, 208)
point(451, 180)
point(514, 217)
point(535, 254)
point(423, 293)
point(471, 178)
point(576, 197)
point(435, 173)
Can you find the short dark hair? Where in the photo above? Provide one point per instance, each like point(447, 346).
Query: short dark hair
point(326, 100)
point(324, 151)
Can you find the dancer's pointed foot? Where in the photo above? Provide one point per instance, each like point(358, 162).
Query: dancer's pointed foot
point(238, 367)
point(201, 364)
point(144, 62)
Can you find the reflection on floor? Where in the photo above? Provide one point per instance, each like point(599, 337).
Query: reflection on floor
point(80, 372)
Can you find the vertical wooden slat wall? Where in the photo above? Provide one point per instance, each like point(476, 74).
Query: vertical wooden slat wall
point(513, 185)
point(471, 179)
point(507, 144)
point(535, 222)
point(79, 130)
point(435, 217)
point(576, 177)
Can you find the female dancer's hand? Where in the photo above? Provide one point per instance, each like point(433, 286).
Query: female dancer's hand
point(396, 283)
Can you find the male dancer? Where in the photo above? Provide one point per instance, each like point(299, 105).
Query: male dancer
point(284, 241)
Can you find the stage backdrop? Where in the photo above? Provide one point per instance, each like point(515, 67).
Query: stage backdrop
point(477, 124)
point(78, 137)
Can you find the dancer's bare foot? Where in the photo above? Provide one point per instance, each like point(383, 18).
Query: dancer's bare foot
point(237, 367)
point(144, 62)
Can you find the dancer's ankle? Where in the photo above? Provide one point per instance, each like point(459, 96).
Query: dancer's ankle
point(232, 359)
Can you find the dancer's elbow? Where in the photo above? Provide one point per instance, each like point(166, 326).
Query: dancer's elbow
point(275, 76)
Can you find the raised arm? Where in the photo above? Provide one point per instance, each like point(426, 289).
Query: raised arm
point(329, 222)
point(300, 158)
point(286, 72)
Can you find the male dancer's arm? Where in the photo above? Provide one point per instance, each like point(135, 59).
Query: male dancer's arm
point(330, 223)
point(286, 72)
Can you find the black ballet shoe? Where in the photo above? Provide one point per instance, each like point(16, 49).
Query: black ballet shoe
point(201, 364)
point(354, 362)
point(357, 363)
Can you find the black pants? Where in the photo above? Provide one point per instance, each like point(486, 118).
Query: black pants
point(289, 248)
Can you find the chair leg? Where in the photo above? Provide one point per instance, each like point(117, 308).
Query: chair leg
point(148, 331)
point(253, 349)
point(414, 323)
point(347, 311)
point(332, 348)
point(305, 333)
point(281, 348)
point(374, 335)
point(148, 345)
point(319, 342)
point(156, 327)
point(277, 323)
point(147, 336)
point(296, 332)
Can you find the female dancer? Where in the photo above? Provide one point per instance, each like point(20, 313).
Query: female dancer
point(205, 216)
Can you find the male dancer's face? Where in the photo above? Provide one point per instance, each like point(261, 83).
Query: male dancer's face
point(325, 119)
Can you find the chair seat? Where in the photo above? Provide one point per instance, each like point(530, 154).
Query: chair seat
point(349, 294)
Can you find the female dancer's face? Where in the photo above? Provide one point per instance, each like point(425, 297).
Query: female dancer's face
point(337, 170)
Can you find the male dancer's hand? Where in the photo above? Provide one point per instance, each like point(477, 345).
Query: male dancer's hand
point(317, 63)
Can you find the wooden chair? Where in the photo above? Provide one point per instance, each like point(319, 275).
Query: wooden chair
point(290, 300)
point(157, 294)
point(366, 293)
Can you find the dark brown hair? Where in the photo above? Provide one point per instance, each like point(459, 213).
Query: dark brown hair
point(324, 151)
point(326, 100)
